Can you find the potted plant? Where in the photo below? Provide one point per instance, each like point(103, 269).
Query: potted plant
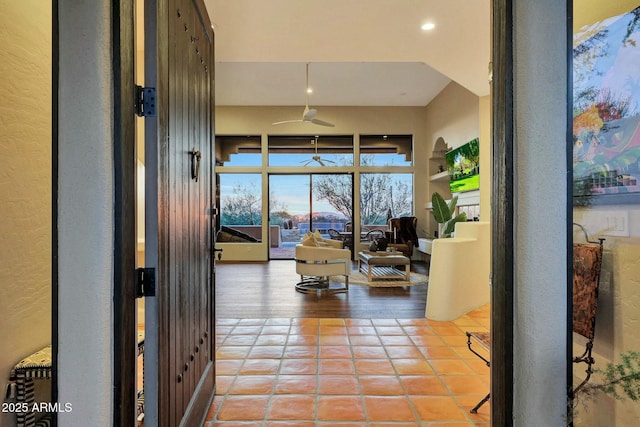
point(444, 214)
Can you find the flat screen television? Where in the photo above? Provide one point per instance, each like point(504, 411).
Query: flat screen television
point(463, 165)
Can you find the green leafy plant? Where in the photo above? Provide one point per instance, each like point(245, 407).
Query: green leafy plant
point(618, 380)
point(444, 214)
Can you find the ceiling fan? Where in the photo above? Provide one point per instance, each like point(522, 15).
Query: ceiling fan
point(316, 157)
point(309, 114)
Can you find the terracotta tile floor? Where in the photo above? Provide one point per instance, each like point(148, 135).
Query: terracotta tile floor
point(348, 372)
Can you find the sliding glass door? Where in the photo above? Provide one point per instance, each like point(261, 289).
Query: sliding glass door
point(299, 203)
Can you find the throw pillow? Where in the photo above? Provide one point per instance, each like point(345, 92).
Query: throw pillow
point(318, 236)
point(309, 240)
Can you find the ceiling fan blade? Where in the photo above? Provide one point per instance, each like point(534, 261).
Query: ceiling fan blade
point(287, 121)
point(309, 114)
point(322, 123)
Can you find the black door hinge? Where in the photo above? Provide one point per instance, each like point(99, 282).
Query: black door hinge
point(145, 101)
point(145, 282)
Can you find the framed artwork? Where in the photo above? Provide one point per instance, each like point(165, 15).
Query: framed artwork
point(606, 111)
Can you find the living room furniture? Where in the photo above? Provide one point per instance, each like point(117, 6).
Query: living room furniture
point(587, 264)
point(484, 339)
point(368, 238)
point(38, 366)
point(459, 272)
point(402, 234)
point(383, 265)
point(316, 264)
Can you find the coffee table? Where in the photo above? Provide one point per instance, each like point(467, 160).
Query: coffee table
point(383, 265)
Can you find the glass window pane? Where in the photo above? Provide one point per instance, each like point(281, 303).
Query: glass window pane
point(386, 150)
point(240, 208)
point(384, 196)
point(238, 151)
point(311, 150)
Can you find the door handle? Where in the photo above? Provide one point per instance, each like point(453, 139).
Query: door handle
point(219, 250)
point(195, 163)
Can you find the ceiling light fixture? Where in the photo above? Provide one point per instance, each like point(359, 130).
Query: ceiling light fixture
point(309, 90)
point(428, 26)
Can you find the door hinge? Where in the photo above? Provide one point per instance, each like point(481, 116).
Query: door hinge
point(145, 282)
point(145, 101)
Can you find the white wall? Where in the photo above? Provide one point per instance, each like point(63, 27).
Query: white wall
point(485, 157)
point(540, 311)
point(25, 184)
point(85, 213)
point(454, 115)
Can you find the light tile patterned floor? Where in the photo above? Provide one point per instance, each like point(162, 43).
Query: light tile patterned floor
point(348, 372)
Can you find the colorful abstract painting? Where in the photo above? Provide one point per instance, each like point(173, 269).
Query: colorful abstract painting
point(606, 107)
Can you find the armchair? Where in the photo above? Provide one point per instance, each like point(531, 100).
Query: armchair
point(317, 261)
point(402, 234)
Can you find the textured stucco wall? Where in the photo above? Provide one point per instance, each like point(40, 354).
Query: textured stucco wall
point(25, 183)
point(485, 157)
point(540, 94)
point(85, 213)
point(454, 116)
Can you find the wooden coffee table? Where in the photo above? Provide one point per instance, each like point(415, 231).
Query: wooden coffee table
point(383, 265)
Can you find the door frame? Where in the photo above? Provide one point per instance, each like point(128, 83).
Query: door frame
point(124, 315)
point(122, 389)
point(502, 213)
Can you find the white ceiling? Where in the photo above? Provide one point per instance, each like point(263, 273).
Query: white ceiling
point(361, 52)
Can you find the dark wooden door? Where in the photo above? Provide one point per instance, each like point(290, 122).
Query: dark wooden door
point(179, 352)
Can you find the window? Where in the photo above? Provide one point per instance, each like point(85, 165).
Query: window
point(384, 196)
point(238, 151)
point(311, 150)
point(240, 207)
point(386, 150)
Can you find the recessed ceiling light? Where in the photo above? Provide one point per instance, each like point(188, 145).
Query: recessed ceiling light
point(428, 26)
point(309, 90)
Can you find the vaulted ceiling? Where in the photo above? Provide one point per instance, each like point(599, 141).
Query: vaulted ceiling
point(361, 52)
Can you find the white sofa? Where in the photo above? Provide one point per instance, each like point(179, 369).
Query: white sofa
point(459, 272)
point(315, 264)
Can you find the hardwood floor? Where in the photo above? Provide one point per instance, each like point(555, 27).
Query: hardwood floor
point(266, 290)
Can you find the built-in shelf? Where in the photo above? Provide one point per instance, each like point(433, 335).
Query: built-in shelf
point(464, 199)
point(441, 176)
